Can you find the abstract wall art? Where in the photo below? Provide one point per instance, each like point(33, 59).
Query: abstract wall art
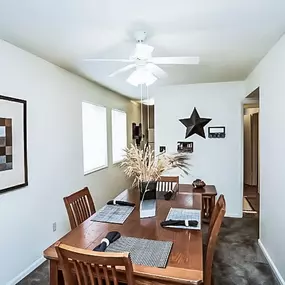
point(13, 144)
point(6, 162)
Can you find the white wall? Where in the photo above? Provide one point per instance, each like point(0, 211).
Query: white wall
point(216, 161)
point(55, 158)
point(269, 75)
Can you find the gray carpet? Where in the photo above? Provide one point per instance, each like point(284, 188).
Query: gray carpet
point(238, 259)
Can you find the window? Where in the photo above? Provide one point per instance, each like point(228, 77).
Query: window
point(119, 134)
point(94, 127)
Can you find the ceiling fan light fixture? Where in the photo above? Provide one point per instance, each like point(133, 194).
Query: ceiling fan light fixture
point(141, 76)
point(143, 51)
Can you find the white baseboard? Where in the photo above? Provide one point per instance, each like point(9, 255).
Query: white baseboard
point(271, 263)
point(27, 271)
point(229, 215)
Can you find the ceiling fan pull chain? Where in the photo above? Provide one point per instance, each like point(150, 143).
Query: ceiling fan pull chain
point(142, 111)
point(147, 96)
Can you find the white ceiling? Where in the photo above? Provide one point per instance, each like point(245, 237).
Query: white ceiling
point(230, 36)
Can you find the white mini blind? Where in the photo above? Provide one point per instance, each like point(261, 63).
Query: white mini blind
point(94, 123)
point(119, 134)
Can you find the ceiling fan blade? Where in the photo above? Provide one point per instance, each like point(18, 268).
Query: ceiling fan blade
point(126, 68)
point(157, 71)
point(176, 60)
point(109, 59)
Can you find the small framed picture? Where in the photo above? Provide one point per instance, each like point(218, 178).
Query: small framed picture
point(185, 147)
point(13, 144)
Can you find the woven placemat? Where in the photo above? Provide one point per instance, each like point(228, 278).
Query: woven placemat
point(113, 214)
point(184, 214)
point(143, 251)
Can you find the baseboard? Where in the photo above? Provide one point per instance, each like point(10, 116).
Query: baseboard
point(229, 215)
point(271, 263)
point(27, 271)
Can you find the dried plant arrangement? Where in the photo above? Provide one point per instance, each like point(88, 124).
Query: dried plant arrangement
point(144, 166)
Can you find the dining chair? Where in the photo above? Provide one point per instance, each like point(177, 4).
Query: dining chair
point(220, 209)
point(79, 206)
point(167, 183)
point(87, 267)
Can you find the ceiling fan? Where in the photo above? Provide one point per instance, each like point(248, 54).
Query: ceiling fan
point(146, 67)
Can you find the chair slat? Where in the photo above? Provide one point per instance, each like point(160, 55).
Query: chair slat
point(114, 275)
point(84, 273)
point(90, 273)
point(78, 211)
point(77, 272)
point(81, 207)
point(98, 275)
point(106, 276)
point(84, 204)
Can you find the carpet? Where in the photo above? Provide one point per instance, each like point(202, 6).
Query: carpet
point(238, 258)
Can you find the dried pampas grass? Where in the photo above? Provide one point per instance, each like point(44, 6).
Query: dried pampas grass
point(143, 165)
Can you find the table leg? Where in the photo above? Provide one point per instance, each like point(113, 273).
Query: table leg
point(212, 206)
point(55, 275)
point(205, 207)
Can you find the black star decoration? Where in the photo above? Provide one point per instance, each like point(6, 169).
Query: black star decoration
point(195, 124)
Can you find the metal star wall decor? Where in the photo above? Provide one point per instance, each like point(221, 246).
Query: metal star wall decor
point(195, 124)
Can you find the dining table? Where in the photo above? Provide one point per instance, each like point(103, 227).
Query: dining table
point(185, 262)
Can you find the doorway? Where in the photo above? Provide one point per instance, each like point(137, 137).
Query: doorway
point(251, 154)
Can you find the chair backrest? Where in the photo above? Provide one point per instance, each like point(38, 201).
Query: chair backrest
point(167, 183)
point(219, 204)
point(79, 206)
point(212, 240)
point(87, 267)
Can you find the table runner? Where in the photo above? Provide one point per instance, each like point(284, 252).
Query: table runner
point(113, 214)
point(143, 251)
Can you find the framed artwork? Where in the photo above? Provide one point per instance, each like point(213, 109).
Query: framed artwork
point(13, 144)
point(185, 147)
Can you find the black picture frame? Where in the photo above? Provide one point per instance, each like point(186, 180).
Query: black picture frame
point(183, 146)
point(24, 136)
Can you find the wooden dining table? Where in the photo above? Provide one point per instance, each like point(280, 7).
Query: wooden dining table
point(185, 263)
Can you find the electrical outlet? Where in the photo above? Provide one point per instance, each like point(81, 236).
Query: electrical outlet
point(54, 226)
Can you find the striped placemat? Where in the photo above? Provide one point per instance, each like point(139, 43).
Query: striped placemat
point(143, 251)
point(113, 214)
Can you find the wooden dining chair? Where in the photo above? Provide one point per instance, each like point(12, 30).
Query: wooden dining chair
point(220, 209)
point(166, 183)
point(87, 267)
point(79, 206)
